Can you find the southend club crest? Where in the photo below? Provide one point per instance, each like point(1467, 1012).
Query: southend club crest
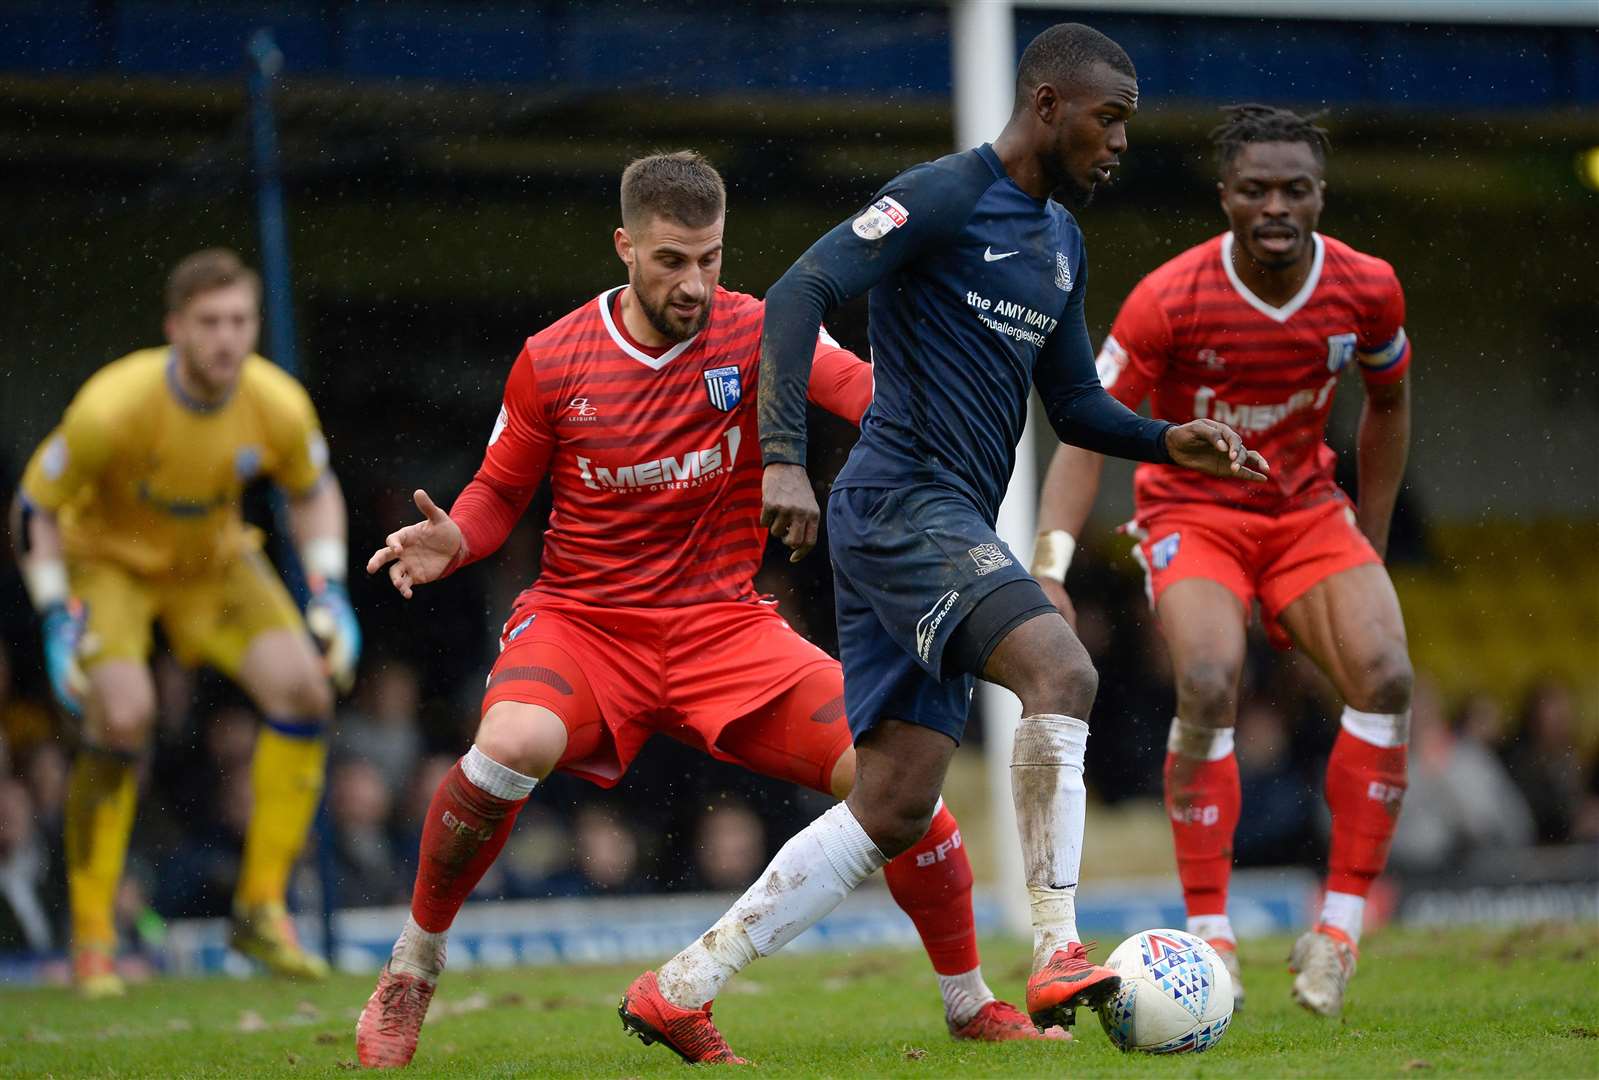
point(724, 387)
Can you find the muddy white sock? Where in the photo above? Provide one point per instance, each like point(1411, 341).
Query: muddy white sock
point(1046, 771)
point(815, 870)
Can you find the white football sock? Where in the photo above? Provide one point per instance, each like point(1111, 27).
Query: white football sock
point(1346, 912)
point(1046, 770)
point(1212, 928)
point(419, 952)
point(815, 870)
point(964, 995)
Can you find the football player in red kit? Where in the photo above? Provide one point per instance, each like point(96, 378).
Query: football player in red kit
point(1254, 328)
point(640, 408)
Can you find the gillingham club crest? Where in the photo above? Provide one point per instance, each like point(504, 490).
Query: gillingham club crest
point(723, 387)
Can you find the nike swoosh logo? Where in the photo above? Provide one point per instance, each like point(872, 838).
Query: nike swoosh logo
point(989, 256)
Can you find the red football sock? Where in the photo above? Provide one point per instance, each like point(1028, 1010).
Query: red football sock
point(1365, 786)
point(932, 883)
point(1202, 801)
point(465, 829)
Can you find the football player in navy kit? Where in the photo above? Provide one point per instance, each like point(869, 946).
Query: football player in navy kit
point(977, 278)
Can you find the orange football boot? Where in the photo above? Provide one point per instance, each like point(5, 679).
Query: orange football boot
point(1067, 981)
point(645, 1012)
point(1000, 1021)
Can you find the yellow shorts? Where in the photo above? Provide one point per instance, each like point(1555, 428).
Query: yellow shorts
point(211, 619)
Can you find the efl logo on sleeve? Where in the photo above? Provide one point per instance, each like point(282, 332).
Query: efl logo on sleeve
point(881, 218)
point(499, 426)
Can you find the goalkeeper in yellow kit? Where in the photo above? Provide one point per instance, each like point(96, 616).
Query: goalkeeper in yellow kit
point(129, 514)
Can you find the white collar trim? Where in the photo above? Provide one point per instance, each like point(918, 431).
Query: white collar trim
point(654, 363)
point(1276, 314)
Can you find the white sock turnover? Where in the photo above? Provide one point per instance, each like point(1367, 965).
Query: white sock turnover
point(817, 868)
point(419, 952)
point(1346, 912)
point(1212, 928)
point(964, 995)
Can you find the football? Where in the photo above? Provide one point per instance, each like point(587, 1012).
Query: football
point(1175, 996)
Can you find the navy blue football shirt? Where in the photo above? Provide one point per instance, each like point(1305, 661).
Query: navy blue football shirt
point(977, 295)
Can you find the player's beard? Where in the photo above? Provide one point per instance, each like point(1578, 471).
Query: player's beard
point(657, 317)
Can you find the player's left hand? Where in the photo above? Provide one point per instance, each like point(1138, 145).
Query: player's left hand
point(1215, 449)
point(331, 620)
point(788, 508)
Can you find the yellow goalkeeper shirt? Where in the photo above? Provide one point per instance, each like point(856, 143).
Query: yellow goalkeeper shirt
point(140, 475)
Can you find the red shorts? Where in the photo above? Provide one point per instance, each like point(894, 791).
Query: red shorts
point(1273, 558)
point(732, 679)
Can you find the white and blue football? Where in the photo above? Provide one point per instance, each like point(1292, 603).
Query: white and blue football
point(1175, 996)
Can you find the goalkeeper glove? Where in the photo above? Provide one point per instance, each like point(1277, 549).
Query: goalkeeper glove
point(64, 623)
point(331, 620)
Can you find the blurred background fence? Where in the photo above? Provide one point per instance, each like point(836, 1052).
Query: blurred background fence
point(451, 176)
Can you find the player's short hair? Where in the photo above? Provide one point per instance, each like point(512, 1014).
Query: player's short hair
point(681, 186)
point(1252, 123)
point(213, 268)
point(1062, 53)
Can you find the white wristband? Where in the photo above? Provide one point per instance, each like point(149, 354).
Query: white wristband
point(325, 557)
point(46, 582)
point(1052, 554)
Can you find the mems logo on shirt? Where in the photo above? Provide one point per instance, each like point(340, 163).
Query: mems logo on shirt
point(666, 473)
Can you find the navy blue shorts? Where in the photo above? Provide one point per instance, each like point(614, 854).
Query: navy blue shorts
point(909, 566)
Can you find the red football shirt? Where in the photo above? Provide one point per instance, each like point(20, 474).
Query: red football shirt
point(1196, 341)
point(654, 460)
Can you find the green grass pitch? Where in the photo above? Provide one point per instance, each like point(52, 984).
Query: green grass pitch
point(1481, 1003)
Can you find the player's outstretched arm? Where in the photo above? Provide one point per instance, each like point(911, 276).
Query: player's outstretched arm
point(420, 553)
point(1085, 414)
point(1214, 449)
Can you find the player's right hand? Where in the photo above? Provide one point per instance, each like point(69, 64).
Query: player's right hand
point(1061, 599)
point(788, 508)
point(64, 624)
point(420, 553)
